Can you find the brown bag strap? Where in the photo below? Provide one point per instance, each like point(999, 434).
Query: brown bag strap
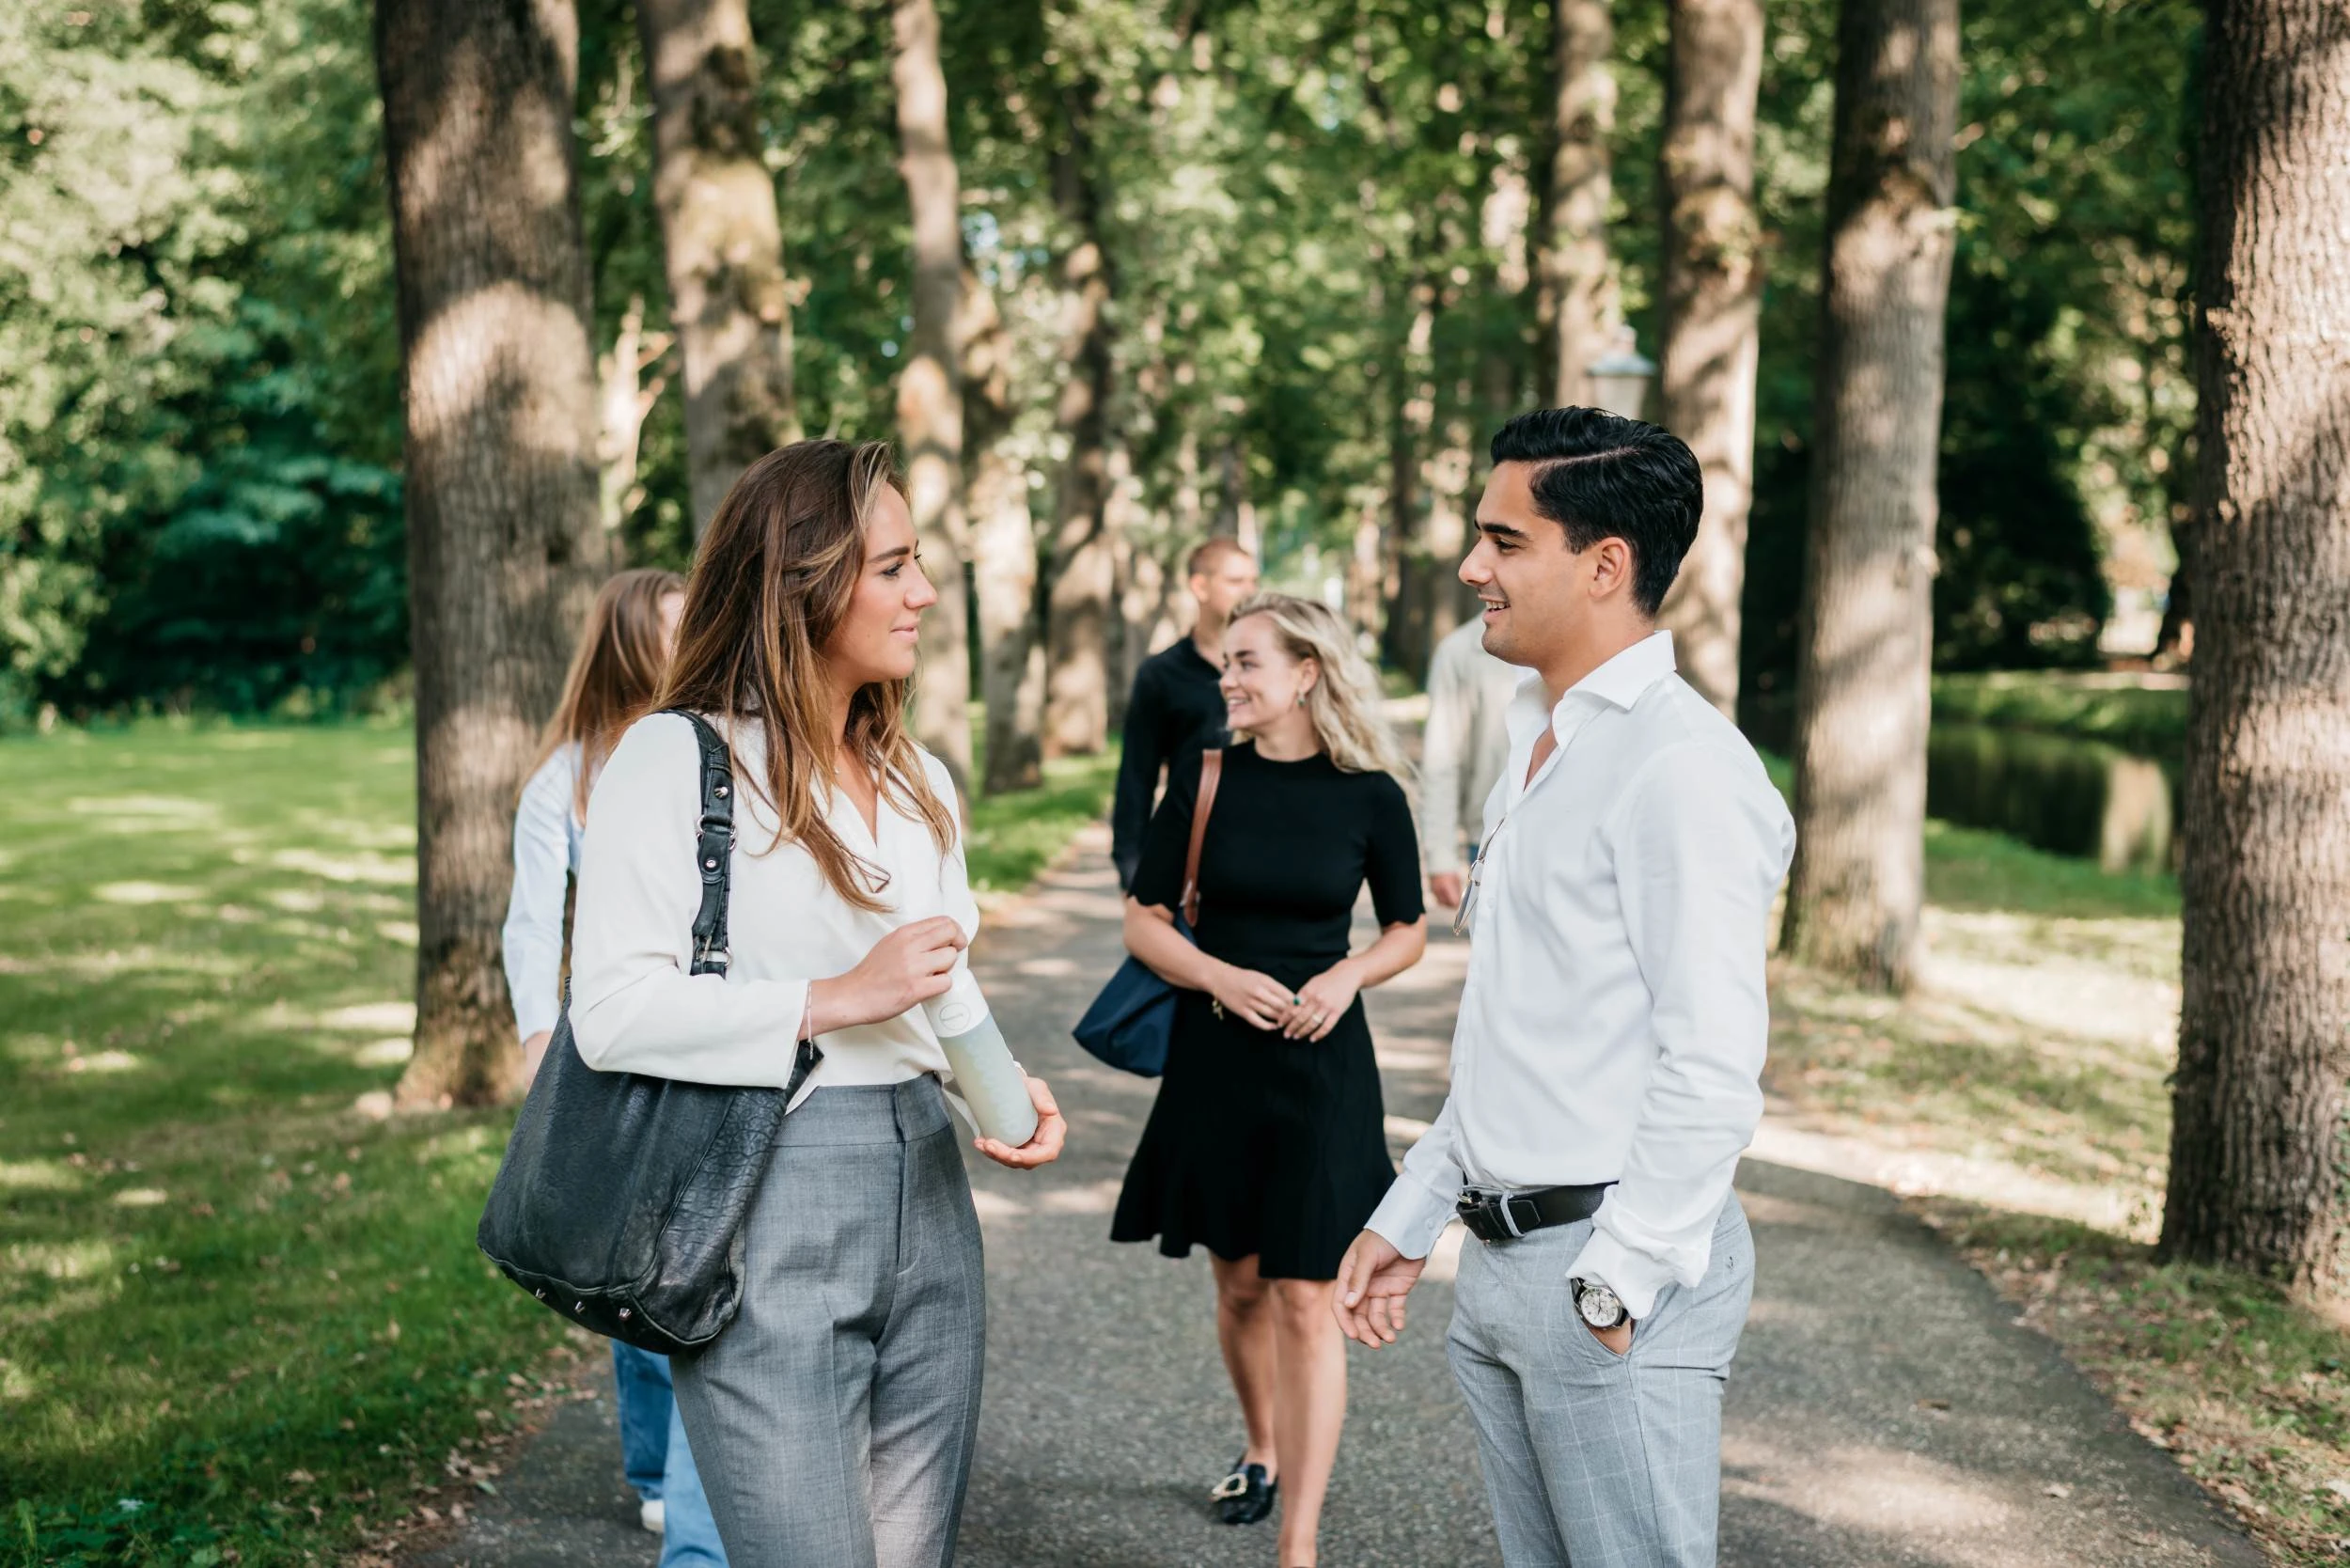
point(1211, 773)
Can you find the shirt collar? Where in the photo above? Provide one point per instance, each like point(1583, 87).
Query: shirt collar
point(1626, 677)
point(1621, 682)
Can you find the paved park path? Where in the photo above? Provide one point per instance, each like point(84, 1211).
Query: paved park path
point(1885, 1409)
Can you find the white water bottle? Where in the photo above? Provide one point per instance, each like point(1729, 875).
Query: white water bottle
point(990, 1082)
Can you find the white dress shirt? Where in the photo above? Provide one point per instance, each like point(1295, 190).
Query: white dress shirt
point(634, 1007)
point(1614, 1020)
point(547, 835)
point(1467, 743)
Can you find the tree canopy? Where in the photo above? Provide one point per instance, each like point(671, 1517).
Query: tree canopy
point(1317, 215)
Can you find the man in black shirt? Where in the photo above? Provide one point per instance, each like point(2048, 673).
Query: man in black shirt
point(1175, 702)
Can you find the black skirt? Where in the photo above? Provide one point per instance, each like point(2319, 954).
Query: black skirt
point(1259, 1145)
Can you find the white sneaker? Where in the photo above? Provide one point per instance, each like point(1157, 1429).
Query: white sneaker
point(652, 1514)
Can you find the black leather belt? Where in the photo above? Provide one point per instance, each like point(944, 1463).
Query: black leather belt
point(1495, 1217)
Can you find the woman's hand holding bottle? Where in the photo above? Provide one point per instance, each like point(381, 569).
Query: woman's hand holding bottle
point(906, 967)
point(1044, 1145)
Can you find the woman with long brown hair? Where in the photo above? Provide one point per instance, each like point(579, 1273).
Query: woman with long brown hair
point(835, 1415)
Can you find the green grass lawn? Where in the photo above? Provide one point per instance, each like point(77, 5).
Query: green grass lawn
point(2024, 1092)
point(240, 1322)
point(1013, 836)
point(2150, 719)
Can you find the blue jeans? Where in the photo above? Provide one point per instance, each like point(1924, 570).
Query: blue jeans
point(658, 1461)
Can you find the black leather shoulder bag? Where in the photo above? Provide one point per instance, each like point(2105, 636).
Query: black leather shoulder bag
point(621, 1200)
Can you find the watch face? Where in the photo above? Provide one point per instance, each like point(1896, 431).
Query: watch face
point(1599, 1307)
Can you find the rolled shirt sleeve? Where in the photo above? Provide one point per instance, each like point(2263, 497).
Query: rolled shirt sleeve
point(1697, 860)
point(533, 936)
point(635, 1008)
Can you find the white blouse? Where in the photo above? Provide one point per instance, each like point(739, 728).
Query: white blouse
point(547, 834)
point(636, 1008)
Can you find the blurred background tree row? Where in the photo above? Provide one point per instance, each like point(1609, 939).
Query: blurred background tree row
point(1317, 228)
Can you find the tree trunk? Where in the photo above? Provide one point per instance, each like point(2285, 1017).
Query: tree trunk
point(498, 371)
point(930, 389)
point(1190, 504)
point(1406, 643)
point(1080, 599)
point(1236, 508)
point(1712, 294)
point(1865, 641)
point(2175, 641)
point(1143, 585)
point(1366, 581)
point(1575, 302)
point(1003, 551)
point(1446, 542)
point(2256, 1142)
point(623, 398)
point(721, 241)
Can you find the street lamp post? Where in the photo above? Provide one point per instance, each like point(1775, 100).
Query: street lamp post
point(1620, 378)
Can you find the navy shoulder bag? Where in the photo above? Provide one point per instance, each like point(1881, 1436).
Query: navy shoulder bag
point(1132, 1022)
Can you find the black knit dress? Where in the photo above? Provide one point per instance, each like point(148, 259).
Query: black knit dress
point(1259, 1144)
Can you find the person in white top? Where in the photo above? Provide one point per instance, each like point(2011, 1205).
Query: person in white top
point(1465, 745)
point(615, 673)
point(1612, 1029)
point(617, 669)
point(835, 1417)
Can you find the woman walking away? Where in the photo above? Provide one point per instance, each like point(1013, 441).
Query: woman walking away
point(1267, 1144)
point(835, 1415)
point(616, 673)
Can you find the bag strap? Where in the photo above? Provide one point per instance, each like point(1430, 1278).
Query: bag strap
point(714, 846)
point(1211, 774)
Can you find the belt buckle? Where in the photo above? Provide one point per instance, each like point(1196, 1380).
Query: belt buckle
point(1486, 1215)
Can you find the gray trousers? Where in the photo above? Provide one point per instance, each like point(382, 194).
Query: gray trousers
point(1594, 1460)
point(834, 1417)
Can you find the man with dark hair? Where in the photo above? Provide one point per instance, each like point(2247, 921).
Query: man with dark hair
point(1605, 1066)
point(1176, 702)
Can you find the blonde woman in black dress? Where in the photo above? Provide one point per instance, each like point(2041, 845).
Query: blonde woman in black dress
point(1267, 1145)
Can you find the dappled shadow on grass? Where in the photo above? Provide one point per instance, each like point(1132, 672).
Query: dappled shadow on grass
point(1964, 1078)
point(2248, 1389)
point(233, 1315)
point(2030, 1065)
point(225, 1300)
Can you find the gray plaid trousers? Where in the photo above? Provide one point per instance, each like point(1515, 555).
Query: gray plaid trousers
point(1594, 1460)
point(834, 1419)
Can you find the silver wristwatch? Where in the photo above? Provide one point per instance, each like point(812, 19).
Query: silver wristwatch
point(1601, 1306)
